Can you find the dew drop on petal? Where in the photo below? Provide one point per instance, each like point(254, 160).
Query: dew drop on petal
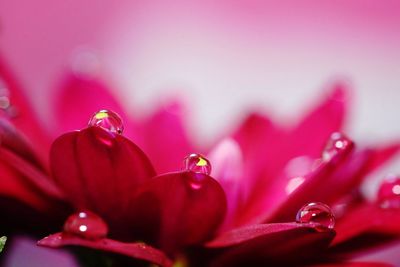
point(108, 120)
point(86, 224)
point(198, 164)
point(337, 143)
point(389, 192)
point(317, 214)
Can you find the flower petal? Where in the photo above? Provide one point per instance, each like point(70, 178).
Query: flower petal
point(177, 209)
point(165, 138)
point(367, 218)
point(269, 243)
point(92, 96)
point(309, 137)
point(99, 171)
point(134, 250)
point(227, 165)
point(20, 111)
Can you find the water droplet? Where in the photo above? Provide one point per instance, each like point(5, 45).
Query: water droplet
point(86, 224)
point(337, 143)
point(198, 164)
point(108, 120)
point(389, 192)
point(318, 214)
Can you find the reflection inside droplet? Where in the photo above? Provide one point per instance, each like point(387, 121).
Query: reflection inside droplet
point(389, 192)
point(317, 214)
point(198, 164)
point(107, 120)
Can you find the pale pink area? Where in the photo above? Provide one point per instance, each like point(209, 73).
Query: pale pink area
point(25, 252)
point(250, 52)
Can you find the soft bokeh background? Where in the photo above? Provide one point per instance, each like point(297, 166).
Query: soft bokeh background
point(222, 57)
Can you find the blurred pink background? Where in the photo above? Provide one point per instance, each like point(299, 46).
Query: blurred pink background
point(222, 57)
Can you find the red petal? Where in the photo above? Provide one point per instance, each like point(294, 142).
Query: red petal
point(25, 118)
point(367, 218)
point(173, 210)
point(310, 136)
point(320, 186)
point(165, 138)
point(99, 171)
point(379, 157)
point(134, 250)
point(269, 243)
point(78, 98)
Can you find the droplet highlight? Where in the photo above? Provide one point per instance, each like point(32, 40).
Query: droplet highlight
point(317, 214)
point(108, 120)
point(338, 143)
point(389, 192)
point(198, 164)
point(86, 224)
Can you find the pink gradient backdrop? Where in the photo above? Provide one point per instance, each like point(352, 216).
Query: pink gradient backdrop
point(221, 56)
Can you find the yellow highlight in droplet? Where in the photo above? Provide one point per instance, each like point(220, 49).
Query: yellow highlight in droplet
point(101, 115)
point(202, 162)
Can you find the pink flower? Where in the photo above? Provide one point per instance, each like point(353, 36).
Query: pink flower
point(271, 198)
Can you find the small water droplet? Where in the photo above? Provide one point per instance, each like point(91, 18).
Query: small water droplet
point(86, 224)
point(198, 164)
point(318, 214)
point(108, 120)
point(389, 192)
point(337, 143)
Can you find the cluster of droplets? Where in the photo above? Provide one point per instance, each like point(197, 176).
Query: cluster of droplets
point(199, 166)
point(316, 214)
point(86, 224)
point(389, 192)
point(107, 120)
point(337, 144)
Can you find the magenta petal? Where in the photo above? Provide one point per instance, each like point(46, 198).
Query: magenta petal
point(258, 244)
point(99, 171)
point(367, 218)
point(78, 98)
point(165, 138)
point(134, 250)
point(20, 111)
point(178, 209)
point(380, 156)
point(310, 136)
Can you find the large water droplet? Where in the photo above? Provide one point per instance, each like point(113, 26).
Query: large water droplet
point(389, 192)
point(317, 214)
point(108, 120)
point(86, 224)
point(198, 164)
point(337, 143)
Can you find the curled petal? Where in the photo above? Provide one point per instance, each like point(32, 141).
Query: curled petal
point(178, 209)
point(99, 171)
point(138, 251)
point(269, 243)
point(227, 162)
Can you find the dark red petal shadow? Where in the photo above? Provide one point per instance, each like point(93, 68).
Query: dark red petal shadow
point(170, 212)
point(353, 264)
point(100, 171)
point(134, 250)
point(269, 243)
